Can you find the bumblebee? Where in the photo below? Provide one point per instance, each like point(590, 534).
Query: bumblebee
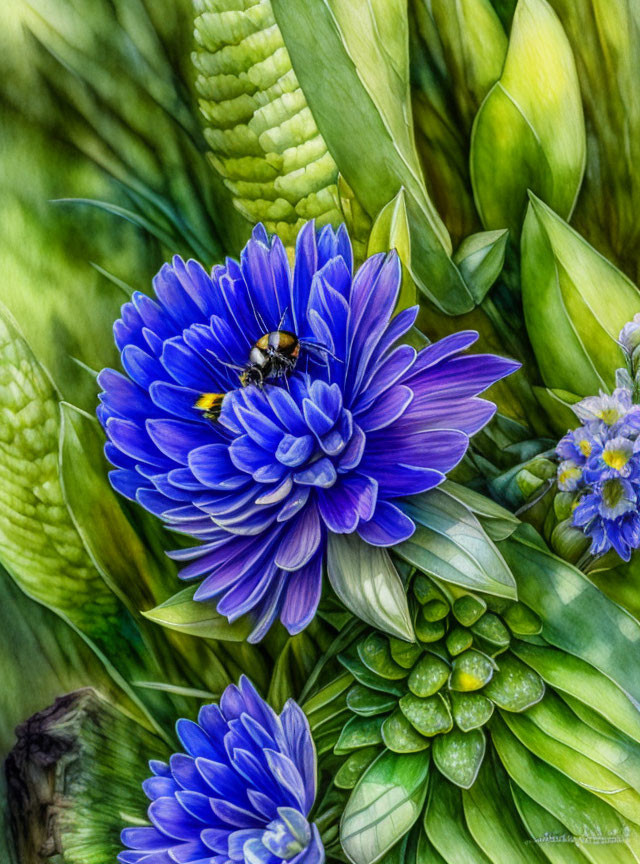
point(274, 355)
point(210, 404)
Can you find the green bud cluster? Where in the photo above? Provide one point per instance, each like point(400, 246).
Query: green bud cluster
point(438, 692)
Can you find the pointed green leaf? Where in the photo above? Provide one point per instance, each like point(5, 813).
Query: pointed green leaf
point(575, 304)
point(391, 231)
point(582, 681)
point(445, 825)
point(581, 812)
point(458, 755)
point(450, 544)
point(529, 132)
point(384, 805)
point(186, 615)
point(575, 615)
point(497, 521)
point(480, 258)
point(399, 735)
point(366, 581)
point(357, 89)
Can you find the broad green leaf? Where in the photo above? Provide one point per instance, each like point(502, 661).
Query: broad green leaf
point(354, 767)
point(490, 816)
point(605, 38)
point(181, 612)
point(262, 136)
point(458, 755)
point(581, 812)
point(582, 681)
point(428, 676)
point(529, 132)
point(557, 405)
point(457, 52)
point(616, 753)
point(351, 661)
point(368, 584)
point(539, 822)
point(575, 304)
point(576, 616)
point(445, 824)
point(96, 758)
point(367, 702)
point(375, 653)
point(521, 620)
point(575, 765)
point(391, 231)
point(480, 258)
point(357, 88)
point(450, 543)
point(384, 805)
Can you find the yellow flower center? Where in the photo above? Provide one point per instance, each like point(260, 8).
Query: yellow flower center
point(609, 415)
point(569, 474)
point(615, 459)
point(585, 447)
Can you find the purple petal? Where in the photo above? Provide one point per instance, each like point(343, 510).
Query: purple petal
point(388, 526)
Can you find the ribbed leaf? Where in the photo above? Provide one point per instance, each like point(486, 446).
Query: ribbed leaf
point(357, 88)
point(384, 805)
point(367, 582)
point(181, 612)
point(575, 304)
point(539, 822)
point(529, 132)
point(445, 825)
point(450, 544)
point(263, 138)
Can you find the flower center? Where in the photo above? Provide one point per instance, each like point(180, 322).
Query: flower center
point(585, 447)
point(613, 493)
point(616, 459)
point(609, 415)
point(288, 835)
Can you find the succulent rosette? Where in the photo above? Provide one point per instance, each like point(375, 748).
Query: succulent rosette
point(359, 421)
point(242, 791)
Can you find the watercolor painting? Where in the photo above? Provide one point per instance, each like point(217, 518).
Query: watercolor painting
point(320, 432)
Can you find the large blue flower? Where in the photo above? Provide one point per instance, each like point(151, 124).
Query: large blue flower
point(360, 421)
point(241, 792)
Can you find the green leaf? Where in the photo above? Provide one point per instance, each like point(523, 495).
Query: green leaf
point(470, 671)
point(186, 615)
point(359, 732)
point(428, 676)
point(368, 584)
point(470, 710)
point(514, 687)
point(580, 680)
point(262, 136)
point(357, 87)
point(480, 258)
point(451, 544)
point(490, 816)
point(391, 231)
point(384, 805)
point(351, 661)
point(430, 716)
point(458, 755)
point(399, 735)
point(529, 132)
point(578, 810)
point(354, 767)
point(367, 702)
point(445, 824)
point(375, 653)
point(575, 615)
point(575, 304)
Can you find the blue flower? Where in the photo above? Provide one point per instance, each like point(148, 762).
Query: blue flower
point(630, 335)
point(335, 428)
point(242, 791)
point(609, 515)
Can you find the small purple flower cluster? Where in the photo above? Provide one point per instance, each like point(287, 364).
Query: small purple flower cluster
point(601, 462)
